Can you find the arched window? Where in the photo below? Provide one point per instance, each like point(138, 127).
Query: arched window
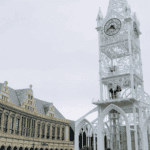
point(23, 126)
point(11, 123)
point(38, 129)
point(5, 122)
point(9, 148)
point(58, 132)
point(33, 128)
point(28, 127)
point(48, 131)
point(63, 133)
point(53, 132)
point(15, 148)
point(43, 131)
point(17, 125)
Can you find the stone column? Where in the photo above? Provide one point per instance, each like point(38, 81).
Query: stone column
point(26, 127)
point(66, 133)
point(30, 127)
point(46, 131)
point(35, 136)
point(51, 131)
point(2, 123)
point(20, 125)
point(60, 132)
point(41, 130)
point(56, 132)
point(9, 121)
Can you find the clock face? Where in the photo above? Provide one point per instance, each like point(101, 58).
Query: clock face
point(112, 26)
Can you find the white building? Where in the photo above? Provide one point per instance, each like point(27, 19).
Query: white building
point(123, 108)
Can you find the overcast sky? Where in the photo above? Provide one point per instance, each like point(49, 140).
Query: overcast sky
point(53, 45)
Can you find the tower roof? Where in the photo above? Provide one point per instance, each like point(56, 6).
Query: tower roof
point(119, 6)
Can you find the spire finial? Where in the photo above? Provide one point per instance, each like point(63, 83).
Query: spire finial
point(100, 15)
point(30, 86)
point(5, 83)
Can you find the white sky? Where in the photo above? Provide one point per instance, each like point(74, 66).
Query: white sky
point(53, 45)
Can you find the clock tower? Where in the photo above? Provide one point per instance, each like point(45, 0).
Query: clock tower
point(123, 106)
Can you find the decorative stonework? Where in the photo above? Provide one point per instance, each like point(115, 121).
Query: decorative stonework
point(4, 94)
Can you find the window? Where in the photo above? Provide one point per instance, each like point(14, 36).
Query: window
point(63, 133)
point(58, 133)
point(25, 106)
point(53, 132)
point(43, 131)
point(5, 123)
point(11, 124)
point(38, 130)
point(48, 131)
point(28, 127)
point(17, 125)
point(33, 128)
point(28, 107)
point(28, 96)
point(23, 126)
point(31, 97)
point(33, 109)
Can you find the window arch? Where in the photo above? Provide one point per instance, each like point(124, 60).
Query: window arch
point(58, 132)
point(43, 131)
point(48, 131)
point(53, 132)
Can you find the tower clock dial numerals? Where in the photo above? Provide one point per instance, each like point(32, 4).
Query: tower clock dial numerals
point(112, 26)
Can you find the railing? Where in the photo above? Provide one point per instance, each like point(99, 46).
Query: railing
point(127, 95)
point(118, 72)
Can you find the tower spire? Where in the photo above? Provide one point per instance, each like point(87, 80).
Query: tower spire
point(118, 5)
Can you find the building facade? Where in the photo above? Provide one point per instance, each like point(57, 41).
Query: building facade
point(28, 123)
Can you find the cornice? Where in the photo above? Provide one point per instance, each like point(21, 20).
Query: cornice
point(25, 114)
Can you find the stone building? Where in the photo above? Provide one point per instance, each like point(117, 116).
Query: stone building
point(27, 123)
